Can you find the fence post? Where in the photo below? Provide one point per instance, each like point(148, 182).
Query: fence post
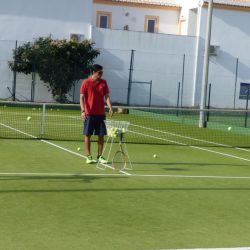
point(131, 68)
point(246, 114)
point(43, 119)
point(32, 96)
point(178, 98)
point(208, 101)
point(236, 78)
point(14, 76)
point(150, 93)
point(182, 78)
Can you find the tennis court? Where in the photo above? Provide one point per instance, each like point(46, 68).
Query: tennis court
point(194, 194)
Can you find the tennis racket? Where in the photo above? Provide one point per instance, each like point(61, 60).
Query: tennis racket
point(120, 159)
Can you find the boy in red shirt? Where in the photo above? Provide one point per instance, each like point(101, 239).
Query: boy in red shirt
point(92, 94)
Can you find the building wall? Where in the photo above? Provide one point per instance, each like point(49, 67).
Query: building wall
point(230, 31)
point(134, 17)
point(157, 57)
point(164, 59)
point(192, 22)
point(25, 20)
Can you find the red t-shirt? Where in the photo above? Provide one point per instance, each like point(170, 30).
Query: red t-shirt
point(94, 92)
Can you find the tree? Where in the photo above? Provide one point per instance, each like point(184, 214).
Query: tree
point(59, 63)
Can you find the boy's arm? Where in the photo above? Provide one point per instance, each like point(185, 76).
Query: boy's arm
point(82, 105)
point(108, 101)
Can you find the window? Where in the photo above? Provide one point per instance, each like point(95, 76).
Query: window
point(103, 19)
point(151, 24)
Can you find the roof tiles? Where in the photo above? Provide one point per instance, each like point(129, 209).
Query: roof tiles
point(152, 2)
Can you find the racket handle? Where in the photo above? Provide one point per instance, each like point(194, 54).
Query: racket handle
point(120, 137)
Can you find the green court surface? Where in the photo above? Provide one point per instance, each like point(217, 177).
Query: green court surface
point(187, 197)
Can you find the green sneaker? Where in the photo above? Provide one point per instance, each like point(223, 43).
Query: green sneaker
point(89, 159)
point(102, 160)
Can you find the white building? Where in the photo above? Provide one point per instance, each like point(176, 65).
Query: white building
point(168, 37)
point(230, 64)
point(25, 20)
point(148, 16)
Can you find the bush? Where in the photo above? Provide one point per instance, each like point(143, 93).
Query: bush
point(59, 63)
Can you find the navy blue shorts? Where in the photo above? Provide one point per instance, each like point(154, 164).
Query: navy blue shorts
point(94, 124)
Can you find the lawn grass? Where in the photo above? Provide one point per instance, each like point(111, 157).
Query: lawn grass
point(101, 209)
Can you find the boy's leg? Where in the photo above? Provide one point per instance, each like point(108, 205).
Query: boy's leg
point(89, 158)
point(100, 144)
point(100, 158)
point(87, 144)
point(88, 131)
point(101, 131)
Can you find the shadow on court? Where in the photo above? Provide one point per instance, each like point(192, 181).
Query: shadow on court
point(73, 178)
point(181, 189)
point(184, 166)
point(189, 164)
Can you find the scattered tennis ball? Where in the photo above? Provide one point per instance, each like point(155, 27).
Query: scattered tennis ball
point(57, 109)
point(229, 128)
point(33, 108)
point(28, 118)
point(78, 149)
point(154, 156)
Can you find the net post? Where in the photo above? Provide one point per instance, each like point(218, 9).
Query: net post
point(43, 119)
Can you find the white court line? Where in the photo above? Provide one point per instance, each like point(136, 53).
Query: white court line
point(228, 248)
point(187, 137)
point(55, 174)
point(130, 175)
point(57, 146)
point(199, 148)
point(182, 136)
point(224, 154)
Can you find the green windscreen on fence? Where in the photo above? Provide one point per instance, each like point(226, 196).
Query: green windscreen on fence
point(146, 125)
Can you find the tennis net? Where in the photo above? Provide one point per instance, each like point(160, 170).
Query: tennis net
point(226, 128)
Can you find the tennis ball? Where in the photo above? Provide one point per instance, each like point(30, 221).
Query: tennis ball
point(78, 149)
point(28, 118)
point(154, 156)
point(229, 128)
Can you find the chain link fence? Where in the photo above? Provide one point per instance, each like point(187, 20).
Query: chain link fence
point(142, 78)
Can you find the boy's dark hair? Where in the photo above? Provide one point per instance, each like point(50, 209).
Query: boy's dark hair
point(96, 67)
